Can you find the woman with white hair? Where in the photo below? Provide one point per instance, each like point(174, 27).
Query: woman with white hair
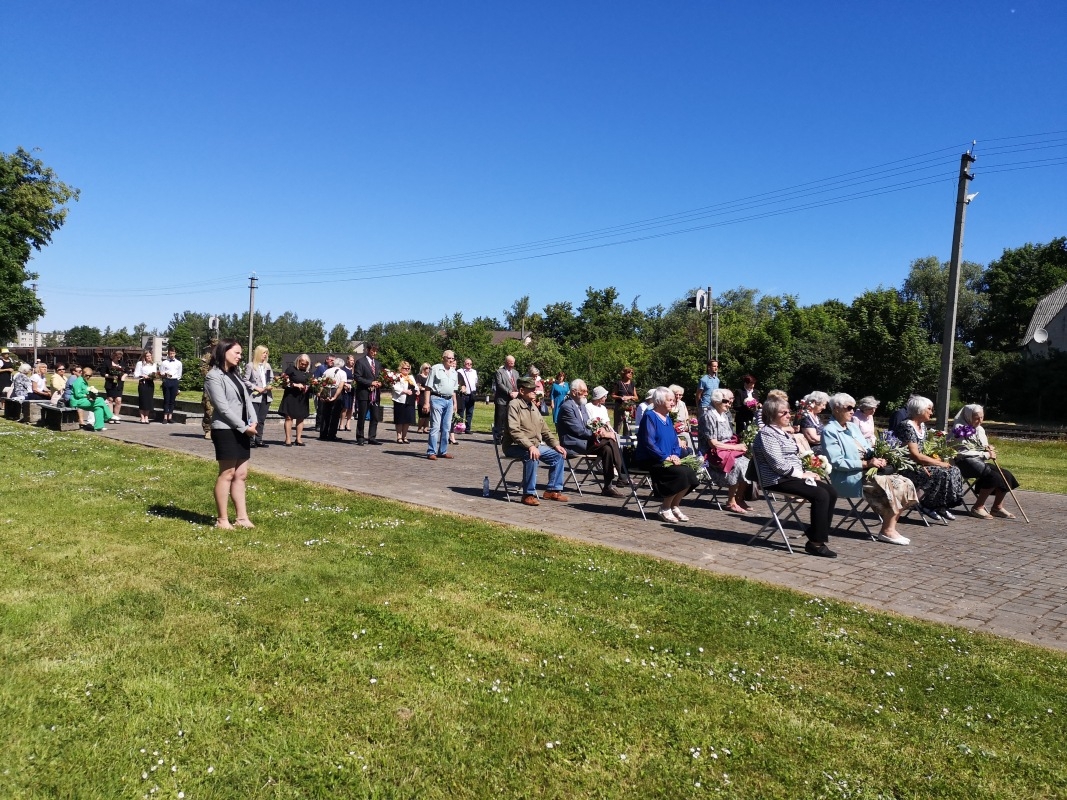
point(975, 453)
point(21, 386)
point(810, 424)
point(864, 417)
point(940, 482)
point(727, 462)
point(658, 452)
point(681, 413)
point(850, 457)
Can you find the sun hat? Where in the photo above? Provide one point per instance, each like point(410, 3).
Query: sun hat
point(599, 392)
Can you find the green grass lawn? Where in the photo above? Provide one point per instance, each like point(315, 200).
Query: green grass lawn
point(354, 647)
point(1040, 466)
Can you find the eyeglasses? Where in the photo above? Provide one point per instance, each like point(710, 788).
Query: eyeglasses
point(785, 413)
point(850, 408)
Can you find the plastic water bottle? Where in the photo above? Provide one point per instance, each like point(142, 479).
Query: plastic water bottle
point(485, 486)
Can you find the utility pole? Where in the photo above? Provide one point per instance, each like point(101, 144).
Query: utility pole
point(252, 280)
point(34, 287)
point(711, 325)
point(948, 339)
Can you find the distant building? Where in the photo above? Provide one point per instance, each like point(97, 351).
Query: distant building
point(1048, 326)
point(25, 338)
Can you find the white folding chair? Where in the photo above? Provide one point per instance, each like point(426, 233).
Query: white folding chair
point(781, 506)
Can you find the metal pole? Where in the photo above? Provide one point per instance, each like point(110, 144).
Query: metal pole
point(252, 279)
point(948, 339)
point(34, 286)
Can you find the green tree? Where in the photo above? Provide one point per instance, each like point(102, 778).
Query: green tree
point(1014, 283)
point(83, 336)
point(338, 339)
point(927, 285)
point(32, 207)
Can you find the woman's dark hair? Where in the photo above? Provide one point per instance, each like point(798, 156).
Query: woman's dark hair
point(218, 356)
point(749, 379)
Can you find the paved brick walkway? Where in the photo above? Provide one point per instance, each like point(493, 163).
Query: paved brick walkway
point(1003, 577)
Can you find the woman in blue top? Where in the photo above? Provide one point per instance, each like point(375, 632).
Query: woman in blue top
point(658, 452)
point(560, 389)
point(849, 457)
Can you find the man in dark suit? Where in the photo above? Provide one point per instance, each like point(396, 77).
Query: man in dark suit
point(368, 394)
point(505, 389)
point(575, 435)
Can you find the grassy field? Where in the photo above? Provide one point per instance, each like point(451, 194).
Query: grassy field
point(352, 647)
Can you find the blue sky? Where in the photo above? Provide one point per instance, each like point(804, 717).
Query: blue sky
point(336, 148)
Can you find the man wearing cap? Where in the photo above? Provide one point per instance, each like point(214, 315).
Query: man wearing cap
point(526, 436)
point(576, 435)
point(7, 368)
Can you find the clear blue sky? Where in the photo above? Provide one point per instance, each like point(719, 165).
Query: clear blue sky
point(322, 143)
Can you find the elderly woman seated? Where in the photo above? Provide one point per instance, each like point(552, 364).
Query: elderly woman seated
point(940, 482)
point(21, 388)
point(973, 459)
point(727, 462)
point(681, 413)
point(780, 468)
point(83, 396)
point(850, 457)
point(658, 452)
point(809, 422)
point(864, 418)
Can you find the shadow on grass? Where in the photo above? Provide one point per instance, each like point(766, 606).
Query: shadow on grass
point(173, 512)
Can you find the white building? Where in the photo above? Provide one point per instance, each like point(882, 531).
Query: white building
point(25, 338)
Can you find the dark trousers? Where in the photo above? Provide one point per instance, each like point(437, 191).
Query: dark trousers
point(329, 417)
point(262, 407)
point(466, 406)
point(607, 450)
point(822, 497)
point(500, 419)
point(363, 403)
point(170, 394)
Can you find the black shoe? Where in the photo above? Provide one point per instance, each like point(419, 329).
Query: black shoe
point(360, 442)
point(262, 444)
point(819, 549)
point(373, 441)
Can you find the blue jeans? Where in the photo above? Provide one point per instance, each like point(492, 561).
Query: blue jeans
point(549, 457)
point(440, 421)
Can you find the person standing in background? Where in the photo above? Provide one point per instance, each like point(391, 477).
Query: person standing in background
point(145, 372)
point(368, 395)
point(468, 389)
point(171, 370)
point(7, 368)
point(505, 389)
point(233, 426)
point(258, 378)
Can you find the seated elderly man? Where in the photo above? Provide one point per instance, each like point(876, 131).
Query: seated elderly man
point(526, 436)
point(575, 434)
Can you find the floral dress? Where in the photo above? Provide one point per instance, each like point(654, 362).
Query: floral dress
point(942, 487)
point(719, 429)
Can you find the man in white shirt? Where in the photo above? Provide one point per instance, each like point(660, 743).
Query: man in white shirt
point(330, 405)
point(171, 370)
point(468, 388)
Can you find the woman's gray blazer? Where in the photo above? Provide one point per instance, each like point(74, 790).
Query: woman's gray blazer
point(233, 407)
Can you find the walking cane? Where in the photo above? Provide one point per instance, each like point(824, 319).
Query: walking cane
point(1013, 497)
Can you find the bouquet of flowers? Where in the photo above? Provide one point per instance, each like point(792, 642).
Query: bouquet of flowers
point(817, 464)
point(323, 386)
point(388, 377)
point(280, 381)
point(149, 376)
point(751, 403)
point(749, 436)
point(963, 432)
point(596, 425)
point(692, 461)
point(894, 452)
point(681, 427)
point(936, 445)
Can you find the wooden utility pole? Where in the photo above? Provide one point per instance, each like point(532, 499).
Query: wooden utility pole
point(948, 339)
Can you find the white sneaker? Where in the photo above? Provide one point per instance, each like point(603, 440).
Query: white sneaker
point(666, 515)
point(895, 539)
point(678, 515)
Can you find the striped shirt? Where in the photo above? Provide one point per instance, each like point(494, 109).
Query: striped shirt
point(777, 456)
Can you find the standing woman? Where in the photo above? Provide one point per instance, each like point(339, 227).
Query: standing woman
point(171, 370)
point(233, 425)
point(424, 398)
point(145, 372)
point(258, 378)
point(295, 406)
point(560, 389)
point(114, 372)
point(405, 396)
point(623, 393)
point(745, 404)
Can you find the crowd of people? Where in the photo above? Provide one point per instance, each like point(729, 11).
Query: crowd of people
point(823, 448)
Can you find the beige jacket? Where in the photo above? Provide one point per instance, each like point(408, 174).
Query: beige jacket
point(526, 427)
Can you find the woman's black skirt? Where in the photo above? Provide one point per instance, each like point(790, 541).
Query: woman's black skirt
point(230, 445)
point(146, 391)
point(986, 475)
point(668, 481)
